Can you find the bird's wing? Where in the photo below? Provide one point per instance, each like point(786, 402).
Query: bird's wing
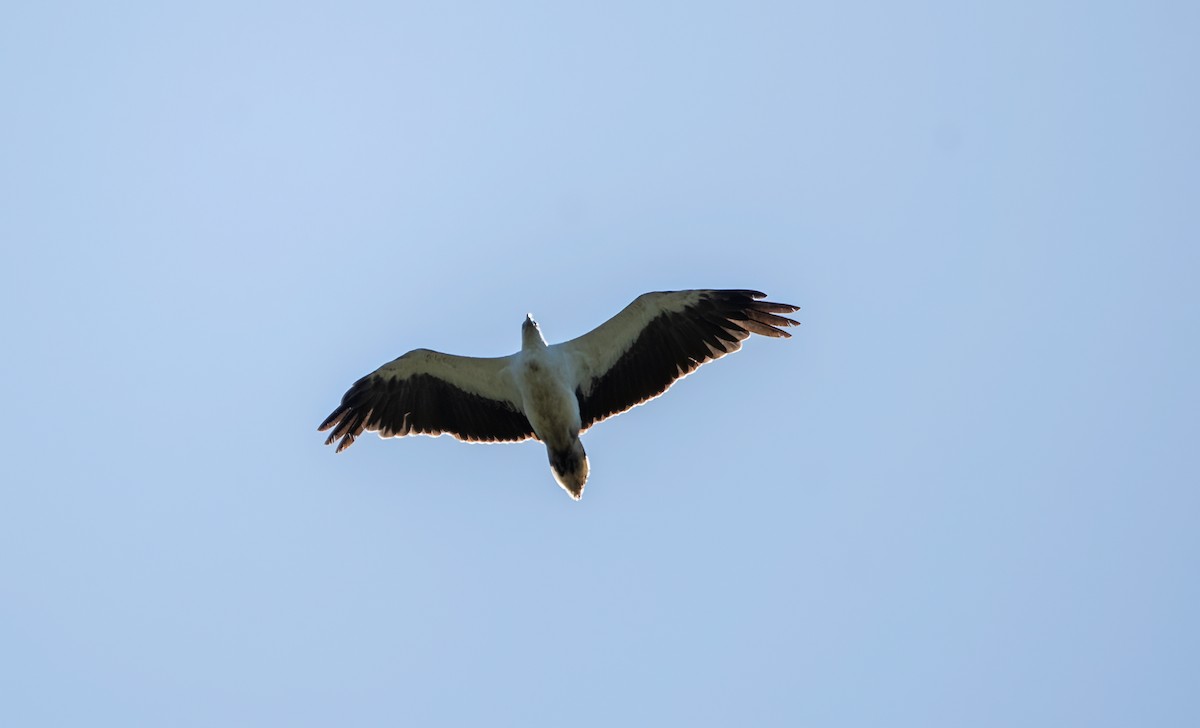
point(660, 337)
point(429, 393)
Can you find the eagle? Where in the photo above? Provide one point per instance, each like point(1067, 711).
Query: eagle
point(554, 392)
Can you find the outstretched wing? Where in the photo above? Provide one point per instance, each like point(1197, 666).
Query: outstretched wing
point(661, 337)
point(429, 393)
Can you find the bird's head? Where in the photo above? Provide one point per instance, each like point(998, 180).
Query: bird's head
point(531, 335)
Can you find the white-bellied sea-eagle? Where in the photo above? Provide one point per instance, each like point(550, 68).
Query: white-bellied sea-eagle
point(553, 393)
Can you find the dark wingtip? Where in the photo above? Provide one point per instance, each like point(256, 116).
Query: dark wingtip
point(773, 307)
point(756, 300)
point(331, 420)
point(735, 293)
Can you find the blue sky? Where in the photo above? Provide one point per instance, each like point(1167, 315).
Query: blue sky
point(963, 494)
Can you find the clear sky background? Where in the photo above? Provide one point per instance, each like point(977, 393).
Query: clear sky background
point(964, 493)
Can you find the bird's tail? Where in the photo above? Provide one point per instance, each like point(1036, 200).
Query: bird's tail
point(570, 467)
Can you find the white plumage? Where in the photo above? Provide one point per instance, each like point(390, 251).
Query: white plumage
point(555, 392)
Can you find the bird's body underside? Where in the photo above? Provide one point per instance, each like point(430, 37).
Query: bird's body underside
point(555, 392)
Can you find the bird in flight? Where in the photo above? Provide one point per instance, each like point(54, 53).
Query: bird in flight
point(555, 392)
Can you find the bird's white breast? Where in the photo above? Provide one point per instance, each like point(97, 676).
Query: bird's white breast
point(547, 389)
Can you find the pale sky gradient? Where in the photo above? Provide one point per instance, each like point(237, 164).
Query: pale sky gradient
point(964, 494)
